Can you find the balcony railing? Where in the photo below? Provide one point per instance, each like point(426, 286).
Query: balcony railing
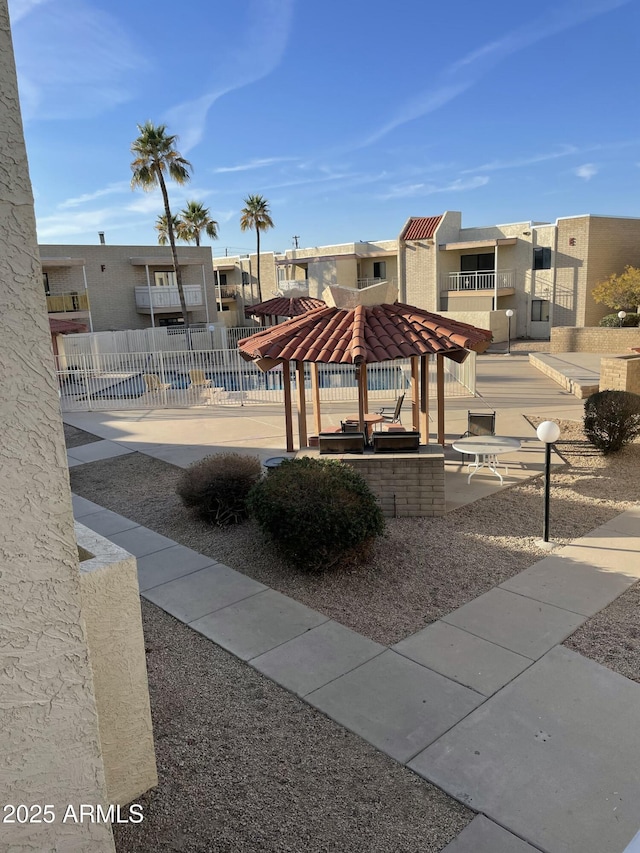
point(286, 284)
point(477, 280)
point(168, 298)
point(228, 291)
point(59, 303)
point(369, 282)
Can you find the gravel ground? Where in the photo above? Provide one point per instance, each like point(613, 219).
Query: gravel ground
point(75, 437)
point(244, 765)
point(423, 568)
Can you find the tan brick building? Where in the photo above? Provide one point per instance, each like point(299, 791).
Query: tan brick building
point(111, 288)
point(544, 272)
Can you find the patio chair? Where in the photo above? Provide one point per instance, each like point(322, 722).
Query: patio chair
point(480, 423)
point(153, 383)
point(391, 414)
point(198, 379)
point(349, 426)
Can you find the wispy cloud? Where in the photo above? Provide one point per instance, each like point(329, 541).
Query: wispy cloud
point(62, 226)
point(495, 165)
point(19, 9)
point(111, 189)
point(423, 189)
point(258, 49)
point(255, 164)
point(586, 171)
point(467, 71)
point(90, 68)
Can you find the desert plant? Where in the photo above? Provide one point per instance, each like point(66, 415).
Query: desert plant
point(217, 486)
point(612, 320)
point(611, 419)
point(318, 512)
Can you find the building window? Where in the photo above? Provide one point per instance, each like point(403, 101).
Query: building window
point(542, 258)
point(164, 278)
point(484, 262)
point(170, 322)
point(379, 269)
point(222, 278)
point(539, 311)
point(245, 278)
point(45, 283)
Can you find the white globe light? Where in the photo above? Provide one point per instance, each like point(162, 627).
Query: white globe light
point(548, 431)
point(509, 312)
point(622, 315)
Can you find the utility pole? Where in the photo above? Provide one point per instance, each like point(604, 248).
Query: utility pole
point(296, 237)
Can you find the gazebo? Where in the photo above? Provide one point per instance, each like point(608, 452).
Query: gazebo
point(360, 335)
point(282, 306)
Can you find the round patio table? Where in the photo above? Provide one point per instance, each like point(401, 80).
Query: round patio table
point(369, 420)
point(486, 449)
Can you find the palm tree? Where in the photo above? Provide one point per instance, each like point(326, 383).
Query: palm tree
point(256, 214)
point(195, 219)
point(163, 230)
point(156, 155)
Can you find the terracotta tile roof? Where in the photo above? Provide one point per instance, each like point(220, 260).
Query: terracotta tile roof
point(66, 327)
point(421, 228)
point(365, 334)
point(282, 306)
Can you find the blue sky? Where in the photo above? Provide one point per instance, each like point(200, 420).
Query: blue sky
point(347, 116)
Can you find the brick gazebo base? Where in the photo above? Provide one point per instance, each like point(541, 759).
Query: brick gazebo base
point(405, 484)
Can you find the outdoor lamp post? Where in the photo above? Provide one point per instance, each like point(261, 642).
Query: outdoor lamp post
point(509, 314)
point(621, 316)
point(549, 433)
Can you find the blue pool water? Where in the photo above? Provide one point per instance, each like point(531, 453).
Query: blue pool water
point(134, 386)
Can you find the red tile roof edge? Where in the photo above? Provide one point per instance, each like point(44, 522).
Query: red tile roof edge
point(421, 227)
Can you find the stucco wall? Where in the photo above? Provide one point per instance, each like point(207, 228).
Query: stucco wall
point(111, 608)
point(49, 745)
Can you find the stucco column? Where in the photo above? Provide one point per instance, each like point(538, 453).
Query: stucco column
point(49, 745)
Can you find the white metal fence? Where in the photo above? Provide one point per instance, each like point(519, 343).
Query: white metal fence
point(150, 380)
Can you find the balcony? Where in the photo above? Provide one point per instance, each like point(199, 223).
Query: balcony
point(472, 281)
point(63, 303)
point(286, 285)
point(167, 298)
point(227, 291)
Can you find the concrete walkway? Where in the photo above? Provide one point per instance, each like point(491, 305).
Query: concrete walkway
point(485, 703)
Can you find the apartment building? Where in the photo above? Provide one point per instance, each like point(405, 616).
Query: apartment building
point(544, 272)
point(109, 288)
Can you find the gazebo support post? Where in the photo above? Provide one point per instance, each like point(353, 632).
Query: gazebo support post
point(359, 372)
point(424, 399)
point(288, 414)
point(315, 396)
point(415, 391)
point(365, 388)
point(440, 393)
point(302, 405)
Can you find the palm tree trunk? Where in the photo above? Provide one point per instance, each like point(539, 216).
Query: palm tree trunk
point(174, 253)
point(258, 246)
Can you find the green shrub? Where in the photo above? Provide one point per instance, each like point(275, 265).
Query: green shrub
point(217, 486)
point(318, 512)
point(611, 419)
point(613, 320)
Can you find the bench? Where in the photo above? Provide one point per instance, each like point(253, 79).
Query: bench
point(341, 442)
point(396, 442)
